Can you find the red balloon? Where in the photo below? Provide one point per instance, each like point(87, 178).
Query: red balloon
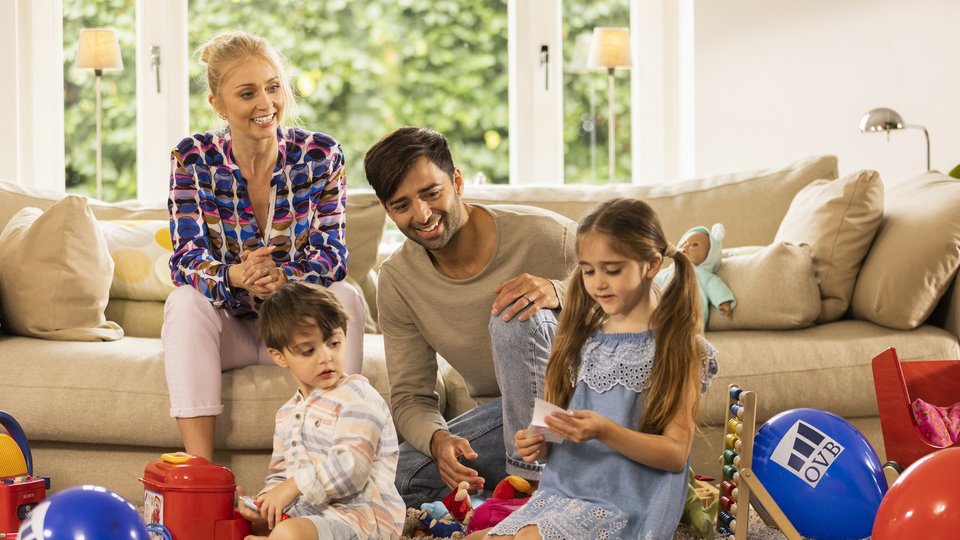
point(924, 502)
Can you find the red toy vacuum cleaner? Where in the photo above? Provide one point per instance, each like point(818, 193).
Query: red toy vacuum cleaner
point(20, 491)
point(192, 498)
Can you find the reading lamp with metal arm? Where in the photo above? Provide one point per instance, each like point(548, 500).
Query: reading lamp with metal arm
point(884, 119)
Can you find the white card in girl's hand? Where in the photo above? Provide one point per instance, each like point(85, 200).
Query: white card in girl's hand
point(538, 425)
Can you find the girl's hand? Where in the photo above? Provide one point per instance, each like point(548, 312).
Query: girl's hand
point(529, 447)
point(275, 501)
point(578, 426)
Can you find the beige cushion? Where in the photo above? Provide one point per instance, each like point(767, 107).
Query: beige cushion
point(750, 204)
point(838, 220)
point(915, 255)
point(141, 251)
point(56, 274)
point(775, 287)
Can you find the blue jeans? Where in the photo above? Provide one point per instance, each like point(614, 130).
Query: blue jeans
point(521, 350)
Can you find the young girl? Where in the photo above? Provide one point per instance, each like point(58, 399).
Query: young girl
point(630, 370)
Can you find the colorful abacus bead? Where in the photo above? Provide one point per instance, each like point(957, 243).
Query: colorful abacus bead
point(735, 392)
point(729, 520)
point(730, 489)
point(728, 456)
point(729, 471)
point(737, 410)
point(734, 425)
point(729, 504)
point(731, 440)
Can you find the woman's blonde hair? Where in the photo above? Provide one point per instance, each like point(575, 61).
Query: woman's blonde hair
point(221, 54)
point(633, 230)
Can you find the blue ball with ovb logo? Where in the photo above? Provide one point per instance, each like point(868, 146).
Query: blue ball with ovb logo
point(90, 512)
point(821, 471)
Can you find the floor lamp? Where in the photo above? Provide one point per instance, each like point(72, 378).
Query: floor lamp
point(98, 50)
point(610, 50)
point(884, 119)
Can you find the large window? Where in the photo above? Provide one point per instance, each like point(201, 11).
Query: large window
point(585, 111)
point(362, 69)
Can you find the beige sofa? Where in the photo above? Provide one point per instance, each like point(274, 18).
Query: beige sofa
point(97, 411)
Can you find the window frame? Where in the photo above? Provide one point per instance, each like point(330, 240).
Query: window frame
point(662, 85)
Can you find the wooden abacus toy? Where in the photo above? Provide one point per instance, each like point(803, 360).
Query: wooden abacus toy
point(739, 482)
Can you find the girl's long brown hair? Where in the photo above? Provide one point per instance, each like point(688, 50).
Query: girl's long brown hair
point(633, 230)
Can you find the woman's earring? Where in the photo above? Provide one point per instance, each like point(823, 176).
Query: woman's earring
point(222, 116)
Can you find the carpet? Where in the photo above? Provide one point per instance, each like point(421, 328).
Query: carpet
point(758, 530)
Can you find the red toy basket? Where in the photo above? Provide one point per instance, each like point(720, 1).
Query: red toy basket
point(898, 384)
point(193, 498)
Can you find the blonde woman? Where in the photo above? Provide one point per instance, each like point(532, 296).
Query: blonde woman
point(252, 206)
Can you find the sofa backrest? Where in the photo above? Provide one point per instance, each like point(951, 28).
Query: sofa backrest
point(750, 204)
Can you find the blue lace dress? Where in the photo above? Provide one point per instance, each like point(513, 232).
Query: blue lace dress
point(590, 491)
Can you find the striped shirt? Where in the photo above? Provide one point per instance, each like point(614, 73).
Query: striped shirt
point(212, 220)
point(340, 447)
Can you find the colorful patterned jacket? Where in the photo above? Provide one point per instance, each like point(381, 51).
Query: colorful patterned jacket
point(212, 220)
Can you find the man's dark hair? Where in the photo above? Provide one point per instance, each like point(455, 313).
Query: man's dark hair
point(299, 305)
point(392, 157)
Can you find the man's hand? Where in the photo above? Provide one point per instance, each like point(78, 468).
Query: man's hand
point(726, 309)
point(524, 294)
point(447, 449)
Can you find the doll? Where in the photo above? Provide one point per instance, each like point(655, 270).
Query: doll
point(703, 248)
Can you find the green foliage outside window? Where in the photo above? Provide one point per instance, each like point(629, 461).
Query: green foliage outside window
point(360, 69)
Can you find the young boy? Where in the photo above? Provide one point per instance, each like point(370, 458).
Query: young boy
point(335, 447)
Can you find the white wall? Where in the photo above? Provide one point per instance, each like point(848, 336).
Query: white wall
point(9, 89)
point(776, 80)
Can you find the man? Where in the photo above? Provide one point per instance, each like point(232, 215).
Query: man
point(478, 285)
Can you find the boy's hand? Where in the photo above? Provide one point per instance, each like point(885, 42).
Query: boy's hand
point(249, 514)
point(529, 447)
point(275, 501)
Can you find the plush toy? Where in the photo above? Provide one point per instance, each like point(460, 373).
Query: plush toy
point(444, 527)
point(458, 503)
point(436, 509)
point(511, 493)
point(703, 248)
point(694, 514)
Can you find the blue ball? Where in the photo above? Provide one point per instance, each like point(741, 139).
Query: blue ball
point(84, 512)
point(821, 471)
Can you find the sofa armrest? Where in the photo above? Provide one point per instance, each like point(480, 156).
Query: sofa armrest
point(947, 313)
point(950, 304)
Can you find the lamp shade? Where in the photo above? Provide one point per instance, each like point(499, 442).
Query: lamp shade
point(880, 119)
point(99, 49)
point(610, 48)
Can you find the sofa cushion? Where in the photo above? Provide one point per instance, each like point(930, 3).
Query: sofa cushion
point(365, 219)
point(915, 255)
point(141, 251)
point(750, 204)
point(827, 366)
point(55, 274)
point(838, 220)
point(775, 287)
point(107, 392)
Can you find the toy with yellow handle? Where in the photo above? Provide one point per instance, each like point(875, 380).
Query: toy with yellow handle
point(15, 458)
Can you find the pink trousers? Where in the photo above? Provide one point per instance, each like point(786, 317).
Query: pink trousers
point(200, 342)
